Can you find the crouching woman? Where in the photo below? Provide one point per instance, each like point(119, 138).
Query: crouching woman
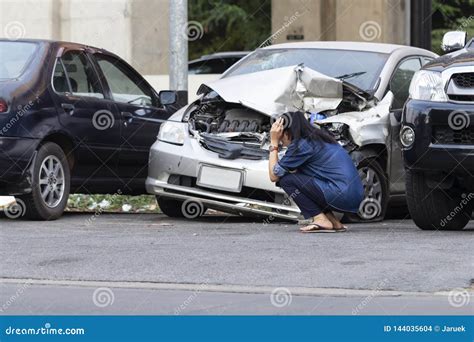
point(316, 172)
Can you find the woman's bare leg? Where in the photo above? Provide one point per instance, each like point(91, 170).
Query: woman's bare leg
point(335, 222)
point(321, 220)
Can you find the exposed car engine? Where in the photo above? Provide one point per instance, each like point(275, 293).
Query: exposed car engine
point(236, 131)
point(214, 115)
point(224, 118)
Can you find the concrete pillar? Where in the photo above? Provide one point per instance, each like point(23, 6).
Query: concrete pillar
point(346, 20)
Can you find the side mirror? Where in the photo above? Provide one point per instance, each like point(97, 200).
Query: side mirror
point(454, 40)
point(167, 97)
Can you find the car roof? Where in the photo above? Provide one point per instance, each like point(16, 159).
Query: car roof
point(60, 43)
point(343, 45)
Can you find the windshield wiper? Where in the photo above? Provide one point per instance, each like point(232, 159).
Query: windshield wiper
point(354, 74)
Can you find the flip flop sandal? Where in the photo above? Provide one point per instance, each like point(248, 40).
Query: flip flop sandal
point(316, 228)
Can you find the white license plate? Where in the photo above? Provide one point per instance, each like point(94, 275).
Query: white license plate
point(220, 178)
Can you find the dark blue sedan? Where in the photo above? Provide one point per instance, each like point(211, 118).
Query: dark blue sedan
point(73, 119)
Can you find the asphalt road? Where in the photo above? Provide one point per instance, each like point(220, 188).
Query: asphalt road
point(151, 264)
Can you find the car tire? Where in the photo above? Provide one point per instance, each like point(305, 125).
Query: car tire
point(50, 184)
point(430, 207)
point(181, 209)
point(374, 205)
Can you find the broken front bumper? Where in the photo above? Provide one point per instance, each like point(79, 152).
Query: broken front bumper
point(173, 172)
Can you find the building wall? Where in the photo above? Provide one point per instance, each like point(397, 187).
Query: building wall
point(136, 30)
point(346, 20)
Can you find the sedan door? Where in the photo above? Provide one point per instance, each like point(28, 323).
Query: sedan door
point(141, 116)
point(87, 116)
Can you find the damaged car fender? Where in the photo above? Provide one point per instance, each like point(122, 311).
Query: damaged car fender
point(366, 127)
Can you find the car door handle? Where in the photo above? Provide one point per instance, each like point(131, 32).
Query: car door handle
point(68, 108)
point(127, 116)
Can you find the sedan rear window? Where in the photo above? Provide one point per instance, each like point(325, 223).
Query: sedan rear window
point(14, 58)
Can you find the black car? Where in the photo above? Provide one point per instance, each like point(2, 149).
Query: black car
point(73, 119)
point(215, 63)
point(438, 138)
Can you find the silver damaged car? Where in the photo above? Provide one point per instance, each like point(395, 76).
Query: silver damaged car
point(213, 152)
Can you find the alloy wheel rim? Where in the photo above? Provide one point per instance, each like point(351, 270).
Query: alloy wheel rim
point(371, 205)
point(51, 181)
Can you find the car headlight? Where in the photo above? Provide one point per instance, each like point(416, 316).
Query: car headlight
point(172, 132)
point(427, 85)
point(339, 131)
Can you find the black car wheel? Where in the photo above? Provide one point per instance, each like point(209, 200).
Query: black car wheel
point(50, 184)
point(434, 208)
point(186, 209)
point(374, 204)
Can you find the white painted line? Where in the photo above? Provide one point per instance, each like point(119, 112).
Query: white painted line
point(296, 291)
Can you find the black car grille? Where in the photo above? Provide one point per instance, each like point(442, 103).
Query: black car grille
point(448, 136)
point(462, 98)
point(464, 80)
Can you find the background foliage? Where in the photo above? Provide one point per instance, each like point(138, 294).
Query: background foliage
point(451, 15)
point(229, 25)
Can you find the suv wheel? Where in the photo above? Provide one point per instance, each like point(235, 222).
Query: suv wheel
point(374, 204)
point(435, 209)
point(50, 184)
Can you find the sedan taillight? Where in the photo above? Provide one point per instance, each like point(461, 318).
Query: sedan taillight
point(3, 106)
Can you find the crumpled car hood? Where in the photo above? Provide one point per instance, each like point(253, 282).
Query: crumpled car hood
point(281, 90)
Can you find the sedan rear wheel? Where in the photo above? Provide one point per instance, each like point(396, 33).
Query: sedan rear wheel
point(50, 184)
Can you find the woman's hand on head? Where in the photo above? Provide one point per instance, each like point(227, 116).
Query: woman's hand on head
point(276, 132)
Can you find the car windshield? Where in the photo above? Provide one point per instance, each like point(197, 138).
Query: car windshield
point(14, 57)
point(360, 68)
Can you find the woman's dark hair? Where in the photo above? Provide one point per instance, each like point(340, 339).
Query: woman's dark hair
point(298, 127)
